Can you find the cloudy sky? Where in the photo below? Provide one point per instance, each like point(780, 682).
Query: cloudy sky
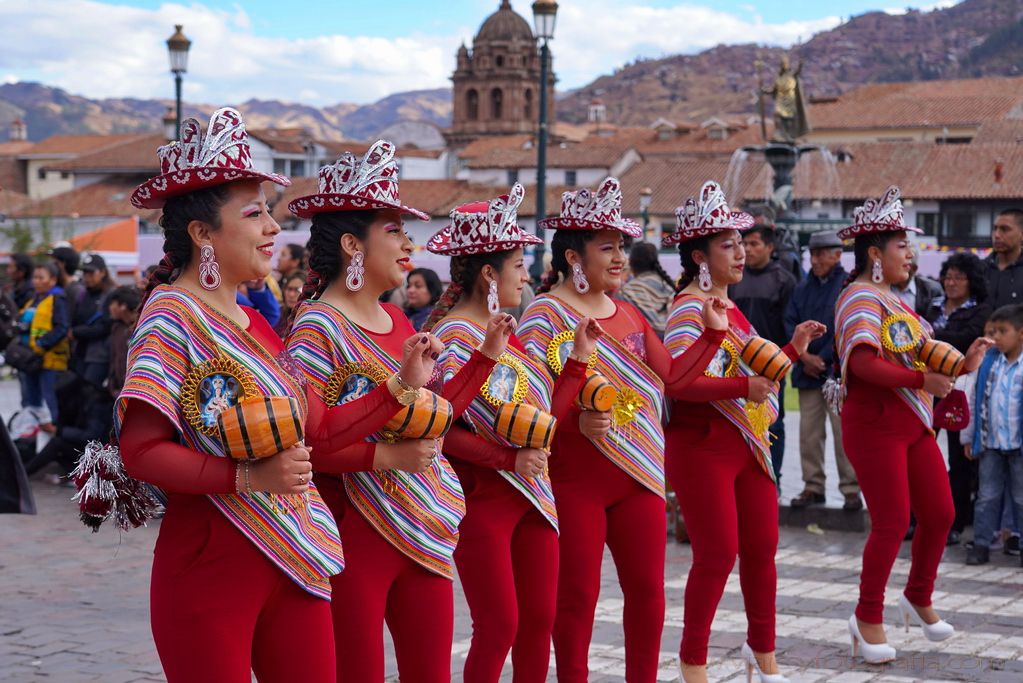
point(328, 51)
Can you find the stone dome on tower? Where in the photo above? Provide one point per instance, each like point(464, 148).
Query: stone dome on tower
point(497, 81)
point(505, 24)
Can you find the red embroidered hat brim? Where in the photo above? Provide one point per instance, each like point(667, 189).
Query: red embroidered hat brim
point(440, 243)
point(310, 205)
point(738, 220)
point(628, 227)
point(851, 231)
point(153, 193)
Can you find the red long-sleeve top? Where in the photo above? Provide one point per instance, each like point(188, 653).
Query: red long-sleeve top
point(472, 448)
point(151, 450)
point(695, 404)
point(357, 455)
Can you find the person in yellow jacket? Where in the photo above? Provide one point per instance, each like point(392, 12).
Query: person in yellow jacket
point(44, 323)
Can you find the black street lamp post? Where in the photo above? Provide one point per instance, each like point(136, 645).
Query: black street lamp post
point(544, 15)
point(177, 50)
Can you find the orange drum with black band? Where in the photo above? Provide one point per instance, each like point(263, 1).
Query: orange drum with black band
point(941, 357)
point(428, 418)
point(525, 426)
point(766, 358)
point(597, 393)
point(259, 427)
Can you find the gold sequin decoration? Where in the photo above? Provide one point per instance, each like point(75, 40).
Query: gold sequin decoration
point(191, 390)
point(518, 392)
point(900, 332)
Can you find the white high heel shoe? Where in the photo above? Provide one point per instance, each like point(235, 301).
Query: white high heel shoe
point(752, 665)
point(873, 653)
point(936, 632)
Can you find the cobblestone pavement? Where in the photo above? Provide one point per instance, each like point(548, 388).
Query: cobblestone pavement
point(74, 607)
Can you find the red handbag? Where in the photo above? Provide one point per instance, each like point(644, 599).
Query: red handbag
point(952, 413)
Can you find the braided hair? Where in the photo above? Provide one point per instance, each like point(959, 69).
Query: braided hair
point(690, 268)
point(324, 250)
point(202, 205)
point(562, 241)
point(643, 259)
point(861, 249)
point(465, 272)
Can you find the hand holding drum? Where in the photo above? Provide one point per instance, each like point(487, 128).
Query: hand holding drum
point(525, 426)
point(428, 418)
point(766, 359)
point(597, 393)
point(941, 357)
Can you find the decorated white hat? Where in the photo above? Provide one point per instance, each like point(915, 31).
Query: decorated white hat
point(878, 215)
point(484, 227)
point(199, 161)
point(588, 210)
point(706, 214)
point(352, 184)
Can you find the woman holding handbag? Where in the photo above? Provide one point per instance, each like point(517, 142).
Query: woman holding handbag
point(43, 349)
point(397, 497)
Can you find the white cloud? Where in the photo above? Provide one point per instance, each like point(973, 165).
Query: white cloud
point(102, 50)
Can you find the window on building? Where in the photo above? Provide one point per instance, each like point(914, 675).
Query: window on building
point(513, 176)
point(41, 174)
point(297, 168)
point(959, 225)
point(472, 105)
point(496, 103)
point(570, 178)
point(499, 60)
point(929, 223)
point(281, 166)
point(64, 175)
point(528, 109)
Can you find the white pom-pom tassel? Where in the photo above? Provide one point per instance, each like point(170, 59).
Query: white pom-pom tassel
point(834, 395)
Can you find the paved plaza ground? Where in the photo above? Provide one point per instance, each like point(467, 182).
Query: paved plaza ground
point(74, 606)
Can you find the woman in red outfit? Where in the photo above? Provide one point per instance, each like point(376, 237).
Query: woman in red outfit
point(399, 502)
point(607, 468)
point(718, 455)
point(886, 425)
point(241, 569)
point(507, 554)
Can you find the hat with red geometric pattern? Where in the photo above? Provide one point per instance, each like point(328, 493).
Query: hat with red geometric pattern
point(878, 215)
point(352, 184)
point(198, 161)
point(706, 214)
point(600, 210)
point(484, 227)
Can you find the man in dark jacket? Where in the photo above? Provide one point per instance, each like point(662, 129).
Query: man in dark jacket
point(814, 299)
point(918, 292)
point(1005, 263)
point(762, 296)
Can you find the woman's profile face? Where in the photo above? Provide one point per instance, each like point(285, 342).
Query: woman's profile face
point(511, 279)
point(386, 252)
point(243, 246)
point(604, 260)
point(726, 258)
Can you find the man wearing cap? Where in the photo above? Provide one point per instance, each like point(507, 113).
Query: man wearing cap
point(90, 326)
point(814, 299)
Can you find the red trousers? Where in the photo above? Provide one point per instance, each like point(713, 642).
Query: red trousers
point(221, 610)
point(599, 503)
point(730, 506)
point(507, 558)
point(382, 585)
point(899, 467)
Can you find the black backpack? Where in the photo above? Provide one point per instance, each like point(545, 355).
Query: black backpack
point(9, 314)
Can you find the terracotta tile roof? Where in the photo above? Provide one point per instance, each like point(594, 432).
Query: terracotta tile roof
point(136, 155)
point(921, 170)
point(924, 103)
point(11, 201)
point(484, 146)
point(73, 145)
point(283, 140)
point(14, 147)
point(593, 152)
point(435, 197)
point(12, 175)
point(1000, 130)
point(672, 181)
point(109, 197)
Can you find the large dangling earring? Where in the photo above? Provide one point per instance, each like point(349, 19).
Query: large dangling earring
point(493, 303)
point(582, 285)
point(356, 272)
point(703, 280)
point(876, 274)
point(209, 269)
